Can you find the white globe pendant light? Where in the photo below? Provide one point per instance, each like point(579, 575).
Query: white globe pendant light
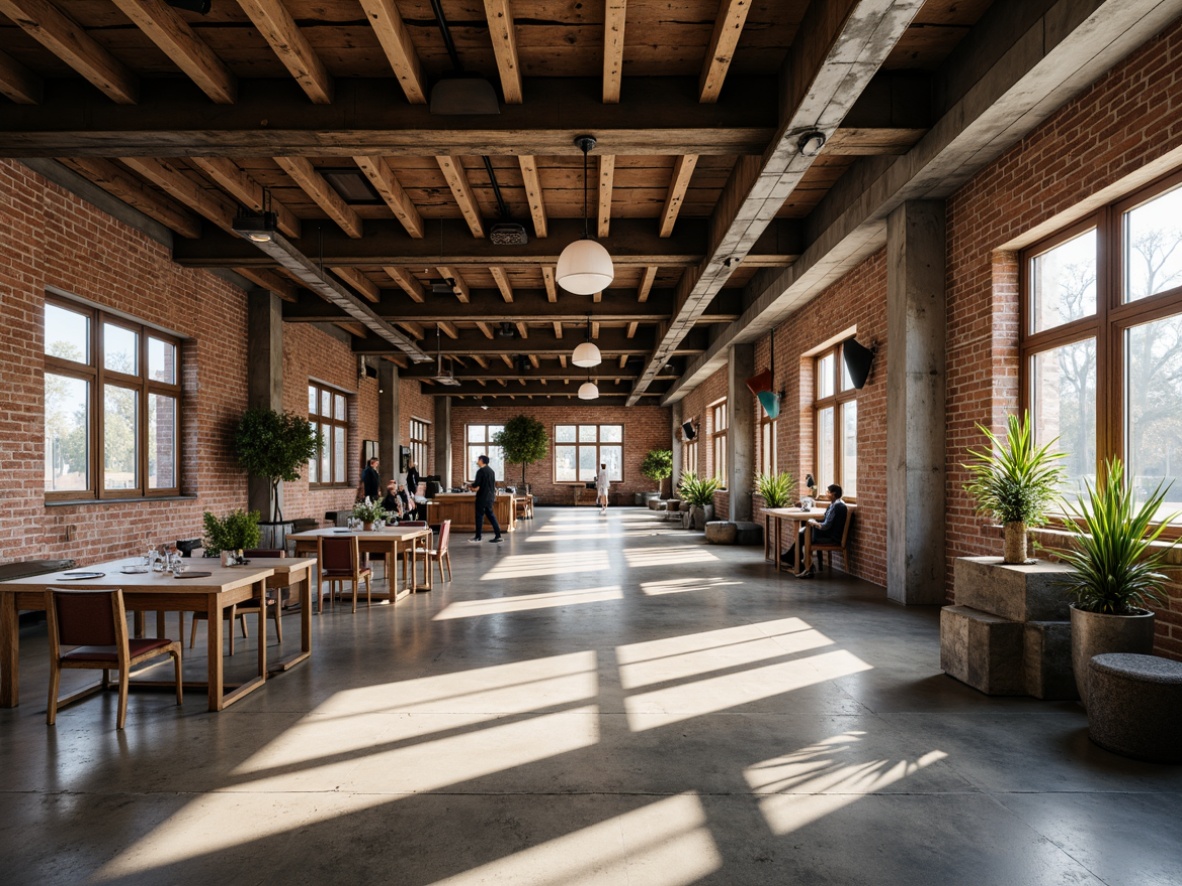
point(587, 353)
point(588, 391)
point(584, 266)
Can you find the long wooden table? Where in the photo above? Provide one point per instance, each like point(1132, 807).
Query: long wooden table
point(798, 516)
point(161, 592)
point(383, 540)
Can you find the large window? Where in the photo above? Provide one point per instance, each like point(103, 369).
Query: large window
point(328, 411)
point(835, 409)
point(480, 443)
point(768, 463)
point(718, 424)
point(419, 431)
point(1102, 340)
point(112, 397)
point(579, 450)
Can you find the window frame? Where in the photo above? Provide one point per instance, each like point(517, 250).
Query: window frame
point(420, 445)
point(579, 444)
point(95, 373)
point(768, 456)
point(719, 425)
point(321, 422)
point(485, 447)
point(835, 401)
point(1108, 326)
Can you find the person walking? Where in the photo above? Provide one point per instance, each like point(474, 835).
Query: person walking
point(485, 487)
point(412, 486)
point(371, 482)
point(602, 485)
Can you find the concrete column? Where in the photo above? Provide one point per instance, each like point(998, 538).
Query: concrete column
point(740, 435)
point(264, 382)
point(442, 431)
point(389, 419)
point(915, 403)
point(676, 412)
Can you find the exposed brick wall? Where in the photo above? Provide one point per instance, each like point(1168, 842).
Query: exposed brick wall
point(695, 407)
point(413, 403)
point(645, 428)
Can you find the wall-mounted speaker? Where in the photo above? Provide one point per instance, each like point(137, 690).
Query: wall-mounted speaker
point(857, 361)
point(688, 430)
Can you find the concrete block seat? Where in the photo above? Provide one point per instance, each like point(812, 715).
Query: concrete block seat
point(721, 532)
point(1135, 706)
point(748, 533)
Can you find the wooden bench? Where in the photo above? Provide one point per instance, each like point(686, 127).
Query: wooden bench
point(1135, 706)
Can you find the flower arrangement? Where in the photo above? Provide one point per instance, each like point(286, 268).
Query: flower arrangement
point(369, 511)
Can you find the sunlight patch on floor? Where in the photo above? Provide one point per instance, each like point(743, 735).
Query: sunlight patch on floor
point(665, 843)
point(526, 602)
point(567, 533)
point(684, 585)
point(808, 784)
point(537, 565)
point(668, 556)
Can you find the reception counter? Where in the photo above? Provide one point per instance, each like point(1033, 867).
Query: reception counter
point(460, 508)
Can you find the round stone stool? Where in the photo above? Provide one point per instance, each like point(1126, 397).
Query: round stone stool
point(721, 532)
point(1135, 706)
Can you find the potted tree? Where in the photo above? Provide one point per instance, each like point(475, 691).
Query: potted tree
point(274, 446)
point(1117, 569)
point(237, 531)
point(699, 492)
point(523, 441)
point(776, 489)
point(657, 466)
point(1015, 481)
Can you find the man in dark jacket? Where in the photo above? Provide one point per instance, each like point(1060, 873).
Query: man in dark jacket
point(412, 485)
point(485, 486)
point(827, 532)
point(371, 483)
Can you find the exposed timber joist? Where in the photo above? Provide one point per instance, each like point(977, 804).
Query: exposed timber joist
point(18, 83)
point(304, 174)
point(117, 181)
point(611, 342)
point(533, 193)
point(396, 43)
point(247, 191)
point(382, 177)
point(288, 42)
point(614, 14)
point(504, 43)
point(728, 28)
point(208, 202)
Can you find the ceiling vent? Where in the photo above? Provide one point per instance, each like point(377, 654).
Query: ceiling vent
point(443, 287)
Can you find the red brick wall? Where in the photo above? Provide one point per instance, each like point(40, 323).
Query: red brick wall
point(51, 238)
point(413, 403)
point(645, 428)
point(695, 407)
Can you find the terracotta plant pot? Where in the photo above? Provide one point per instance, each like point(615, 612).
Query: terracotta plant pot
point(1014, 551)
point(1094, 633)
point(368, 527)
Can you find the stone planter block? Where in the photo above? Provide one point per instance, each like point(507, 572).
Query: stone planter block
point(1048, 660)
point(982, 650)
point(721, 532)
point(1019, 593)
point(655, 504)
point(1135, 706)
point(749, 534)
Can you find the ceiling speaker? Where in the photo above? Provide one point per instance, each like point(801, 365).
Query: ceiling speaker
point(688, 430)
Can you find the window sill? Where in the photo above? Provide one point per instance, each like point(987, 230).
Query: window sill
point(139, 499)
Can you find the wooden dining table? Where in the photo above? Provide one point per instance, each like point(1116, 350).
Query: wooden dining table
point(798, 517)
point(384, 540)
point(161, 592)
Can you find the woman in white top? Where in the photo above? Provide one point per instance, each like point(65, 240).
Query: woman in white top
point(601, 488)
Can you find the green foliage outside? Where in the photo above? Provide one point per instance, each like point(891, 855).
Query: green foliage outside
point(777, 489)
point(698, 491)
point(275, 445)
point(1117, 567)
point(657, 465)
point(369, 511)
point(239, 531)
point(1015, 481)
point(523, 440)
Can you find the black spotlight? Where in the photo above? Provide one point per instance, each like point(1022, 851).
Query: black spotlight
point(688, 430)
point(857, 361)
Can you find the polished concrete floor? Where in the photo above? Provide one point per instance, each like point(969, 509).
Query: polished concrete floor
point(598, 700)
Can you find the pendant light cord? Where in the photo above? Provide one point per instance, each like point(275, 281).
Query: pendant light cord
point(586, 228)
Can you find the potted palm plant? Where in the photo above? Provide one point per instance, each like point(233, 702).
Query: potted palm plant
point(699, 492)
point(775, 489)
point(1015, 481)
point(1118, 563)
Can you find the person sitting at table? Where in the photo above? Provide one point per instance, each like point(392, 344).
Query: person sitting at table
point(392, 504)
point(828, 531)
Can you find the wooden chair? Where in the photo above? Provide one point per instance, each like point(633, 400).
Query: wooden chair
point(273, 599)
point(402, 555)
point(438, 553)
point(811, 547)
point(339, 561)
point(95, 624)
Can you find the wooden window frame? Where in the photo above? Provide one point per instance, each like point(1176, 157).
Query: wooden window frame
point(578, 445)
point(719, 425)
point(834, 401)
point(485, 445)
point(420, 438)
point(768, 456)
point(331, 421)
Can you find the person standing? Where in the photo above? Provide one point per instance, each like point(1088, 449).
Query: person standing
point(602, 486)
point(485, 487)
point(371, 483)
point(412, 485)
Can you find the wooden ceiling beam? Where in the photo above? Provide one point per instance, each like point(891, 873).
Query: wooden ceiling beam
point(502, 280)
point(458, 286)
point(614, 14)
point(207, 202)
point(382, 177)
point(728, 28)
point(288, 42)
point(557, 328)
point(612, 342)
point(18, 83)
point(116, 180)
point(632, 329)
point(227, 174)
point(607, 175)
point(457, 179)
point(395, 39)
point(481, 362)
point(165, 27)
point(550, 283)
point(304, 174)
point(683, 171)
point(271, 281)
point(448, 329)
point(533, 193)
point(504, 44)
point(646, 284)
point(360, 282)
point(486, 329)
point(70, 42)
point(408, 281)
point(413, 328)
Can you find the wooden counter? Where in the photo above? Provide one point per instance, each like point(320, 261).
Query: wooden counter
point(460, 508)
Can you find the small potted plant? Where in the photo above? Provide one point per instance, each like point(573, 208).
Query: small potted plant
point(775, 489)
point(369, 512)
point(1118, 565)
point(238, 531)
point(657, 466)
point(1015, 481)
point(699, 492)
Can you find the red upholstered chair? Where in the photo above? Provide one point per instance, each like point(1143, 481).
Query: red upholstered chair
point(438, 554)
point(95, 624)
point(339, 561)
